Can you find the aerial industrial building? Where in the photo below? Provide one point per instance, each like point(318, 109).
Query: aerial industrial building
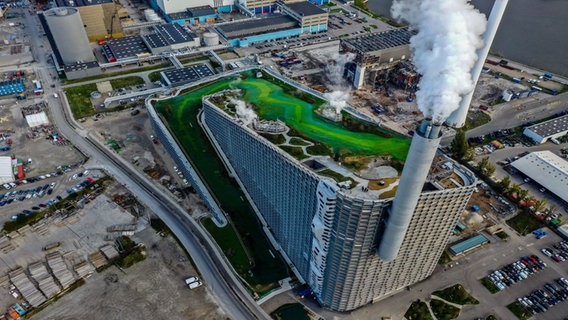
point(297, 18)
point(101, 18)
point(178, 77)
point(376, 52)
point(68, 39)
point(547, 169)
point(551, 129)
point(352, 246)
point(170, 37)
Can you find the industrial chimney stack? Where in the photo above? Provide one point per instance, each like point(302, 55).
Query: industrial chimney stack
point(420, 156)
point(458, 117)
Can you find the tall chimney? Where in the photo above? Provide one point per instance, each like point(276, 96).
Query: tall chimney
point(420, 156)
point(458, 117)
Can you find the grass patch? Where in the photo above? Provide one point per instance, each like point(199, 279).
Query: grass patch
point(155, 76)
point(22, 220)
point(337, 176)
point(476, 119)
point(519, 311)
point(295, 152)
point(491, 317)
point(418, 311)
point(319, 149)
point(456, 294)
point(228, 240)
point(291, 311)
point(130, 252)
point(524, 223)
point(80, 100)
point(388, 194)
point(444, 258)
point(444, 311)
point(376, 184)
point(489, 285)
point(502, 235)
point(274, 138)
point(126, 82)
point(298, 142)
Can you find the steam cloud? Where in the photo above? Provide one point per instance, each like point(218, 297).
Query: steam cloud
point(244, 113)
point(335, 64)
point(444, 50)
point(337, 99)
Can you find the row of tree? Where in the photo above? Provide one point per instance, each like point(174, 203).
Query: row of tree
point(505, 186)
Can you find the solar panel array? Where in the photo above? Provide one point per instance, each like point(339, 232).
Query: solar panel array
point(188, 74)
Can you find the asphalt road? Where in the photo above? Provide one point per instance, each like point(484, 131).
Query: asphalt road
point(518, 112)
point(220, 278)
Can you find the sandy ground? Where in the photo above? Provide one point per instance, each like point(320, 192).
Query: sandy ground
point(152, 289)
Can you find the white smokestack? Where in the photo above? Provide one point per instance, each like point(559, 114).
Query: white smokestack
point(457, 118)
point(444, 50)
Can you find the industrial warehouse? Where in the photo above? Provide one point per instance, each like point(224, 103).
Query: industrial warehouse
point(547, 169)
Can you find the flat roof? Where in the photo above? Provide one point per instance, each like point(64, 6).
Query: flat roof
point(80, 3)
point(155, 40)
point(188, 74)
point(80, 66)
point(546, 169)
point(201, 11)
point(6, 167)
point(550, 127)
point(123, 48)
point(381, 40)
point(173, 33)
point(468, 244)
point(305, 8)
point(257, 26)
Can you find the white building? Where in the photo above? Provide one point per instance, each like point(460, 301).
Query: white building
point(550, 129)
point(6, 173)
point(546, 169)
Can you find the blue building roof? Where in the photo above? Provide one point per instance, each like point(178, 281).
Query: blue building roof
point(468, 244)
point(11, 87)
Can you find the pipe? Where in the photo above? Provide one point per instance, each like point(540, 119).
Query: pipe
point(420, 156)
point(458, 117)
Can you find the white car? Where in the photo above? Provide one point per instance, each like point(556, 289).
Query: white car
point(191, 279)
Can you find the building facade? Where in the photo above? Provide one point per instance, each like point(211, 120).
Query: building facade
point(330, 234)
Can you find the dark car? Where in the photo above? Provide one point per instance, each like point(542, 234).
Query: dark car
point(42, 205)
point(59, 198)
point(35, 208)
point(27, 212)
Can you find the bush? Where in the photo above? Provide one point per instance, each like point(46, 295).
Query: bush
point(295, 152)
point(444, 311)
point(418, 311)
point(518, 310)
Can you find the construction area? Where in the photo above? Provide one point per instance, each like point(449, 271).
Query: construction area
point(64, 252)
point(15, 47)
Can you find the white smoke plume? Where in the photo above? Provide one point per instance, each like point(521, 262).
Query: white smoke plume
point(335, 65)
point(244, 113)
point(337, 99)
point(444, 50)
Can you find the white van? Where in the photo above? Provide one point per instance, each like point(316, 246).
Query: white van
point(191, 279)
point(55, 95)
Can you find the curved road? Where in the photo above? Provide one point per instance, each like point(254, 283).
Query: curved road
point(220, 278)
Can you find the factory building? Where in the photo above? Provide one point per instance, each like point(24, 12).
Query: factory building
point(101, 18)
point(124, 49)
point(296, 19)
point(376, 52)
point(551, 129)
point(547, 169)
point(350, 245)
point(68, 39)
point(170, 37)
point(195, 15)
point(179, 77)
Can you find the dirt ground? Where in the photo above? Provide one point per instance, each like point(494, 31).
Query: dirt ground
point(151, 289)
point(133, 135)
point(24, 148)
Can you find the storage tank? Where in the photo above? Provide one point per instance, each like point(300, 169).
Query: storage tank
point(210, 39)
point(68, 32)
